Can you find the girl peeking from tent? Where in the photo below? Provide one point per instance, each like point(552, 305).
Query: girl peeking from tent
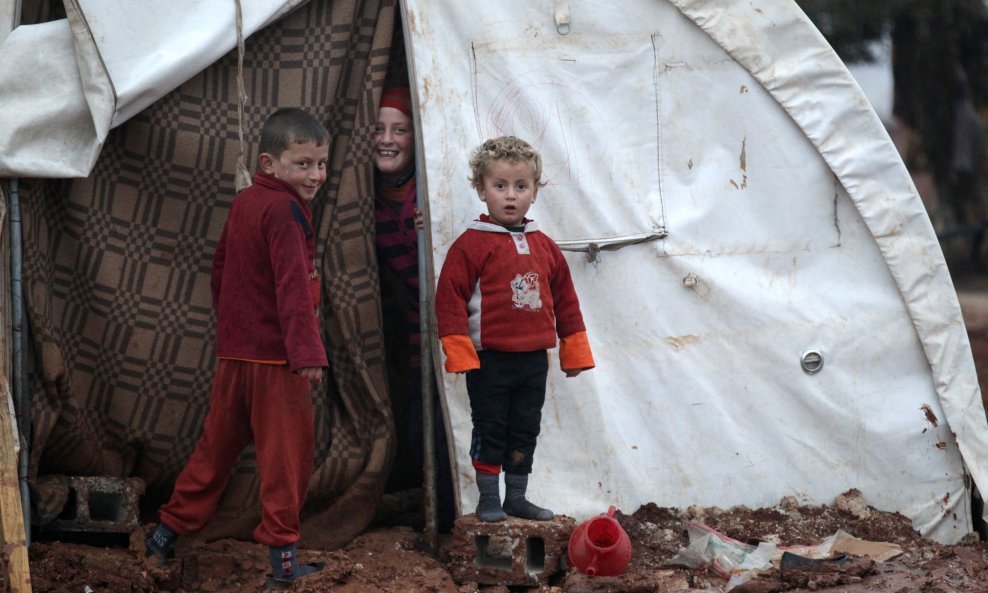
point(397, 218)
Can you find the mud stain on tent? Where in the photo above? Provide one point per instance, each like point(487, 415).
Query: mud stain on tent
point(743, 165)
point(930, 416)
point(680, 342)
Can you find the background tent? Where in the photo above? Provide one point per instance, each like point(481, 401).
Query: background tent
point(730, 200)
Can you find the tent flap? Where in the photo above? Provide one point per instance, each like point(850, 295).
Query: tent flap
point(100, 67)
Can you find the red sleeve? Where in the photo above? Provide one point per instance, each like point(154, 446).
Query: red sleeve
point(289, 253)
point(566, 305)
point(457, 281)
point(216, 276)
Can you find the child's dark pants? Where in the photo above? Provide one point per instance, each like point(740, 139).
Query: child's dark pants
point(506, 397)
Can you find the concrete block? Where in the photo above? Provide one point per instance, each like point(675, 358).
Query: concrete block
point(515, 552)
point(100, 504)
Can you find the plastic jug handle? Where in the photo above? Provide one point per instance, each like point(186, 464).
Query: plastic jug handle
point(611, 510)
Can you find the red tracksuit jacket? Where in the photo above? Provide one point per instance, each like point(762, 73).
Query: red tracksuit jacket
point(264, 283)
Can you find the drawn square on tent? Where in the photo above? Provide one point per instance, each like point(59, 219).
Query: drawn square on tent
point(733, 158)
point(600, 148)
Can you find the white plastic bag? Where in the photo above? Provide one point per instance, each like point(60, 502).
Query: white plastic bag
point(723, 555)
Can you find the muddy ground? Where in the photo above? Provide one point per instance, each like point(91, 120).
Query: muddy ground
point(393, 560)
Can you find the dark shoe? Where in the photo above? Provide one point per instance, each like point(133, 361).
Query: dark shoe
point(285, 568)
point(161, 543)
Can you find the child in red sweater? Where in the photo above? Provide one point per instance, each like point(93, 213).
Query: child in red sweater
point(504, 294)
point(269, 343)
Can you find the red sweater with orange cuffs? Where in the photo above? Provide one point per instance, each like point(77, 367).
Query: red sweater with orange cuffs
point(264, 282)
point(508, 291)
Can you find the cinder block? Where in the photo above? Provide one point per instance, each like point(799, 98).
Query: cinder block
point(515, 552)
point(100, 504)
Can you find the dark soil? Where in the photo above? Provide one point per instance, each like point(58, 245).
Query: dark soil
point(392, 560)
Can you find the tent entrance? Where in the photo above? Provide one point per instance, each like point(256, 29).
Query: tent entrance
point(117, 279)
point(419, 491)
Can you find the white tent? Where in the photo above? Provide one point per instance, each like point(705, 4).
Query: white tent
point(783, 222)
point(732, 205)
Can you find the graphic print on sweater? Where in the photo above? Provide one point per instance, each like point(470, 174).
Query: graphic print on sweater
point(525, 292)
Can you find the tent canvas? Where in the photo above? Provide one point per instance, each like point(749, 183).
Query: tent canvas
point(786, 223)
point(729, 202)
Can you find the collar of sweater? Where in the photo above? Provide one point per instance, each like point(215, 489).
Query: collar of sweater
point(484, 223)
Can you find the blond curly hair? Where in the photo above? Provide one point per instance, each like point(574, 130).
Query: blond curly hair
point(509, 148)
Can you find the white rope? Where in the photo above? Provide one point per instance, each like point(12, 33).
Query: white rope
point(242, 176)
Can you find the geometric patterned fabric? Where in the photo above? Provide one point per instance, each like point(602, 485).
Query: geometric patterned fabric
point(117, 269)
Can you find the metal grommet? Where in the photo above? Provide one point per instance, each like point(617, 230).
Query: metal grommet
point(561, 16)
point(811, 361)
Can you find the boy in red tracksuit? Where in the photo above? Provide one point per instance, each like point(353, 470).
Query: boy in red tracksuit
point(504, 294)
point(268, 340)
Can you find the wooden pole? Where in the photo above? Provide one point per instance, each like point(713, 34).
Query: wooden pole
point(12, 531)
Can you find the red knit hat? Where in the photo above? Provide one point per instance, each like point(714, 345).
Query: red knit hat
point(399, 98)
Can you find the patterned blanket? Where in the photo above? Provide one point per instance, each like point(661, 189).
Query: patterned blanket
point(117, 279)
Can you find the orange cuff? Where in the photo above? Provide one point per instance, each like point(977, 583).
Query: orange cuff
point(574, 352)
point(460, 354)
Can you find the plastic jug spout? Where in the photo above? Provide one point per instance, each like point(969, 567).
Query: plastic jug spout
point(591, 568)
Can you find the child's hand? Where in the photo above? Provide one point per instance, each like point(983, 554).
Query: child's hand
point(419, 219)
point(572, 372)
point(313, 374)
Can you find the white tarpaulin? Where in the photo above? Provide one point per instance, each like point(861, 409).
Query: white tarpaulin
point(787, 224)
point(65, 84)
point(746, 201)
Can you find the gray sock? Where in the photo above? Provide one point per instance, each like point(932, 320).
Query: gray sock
point(489, 505)
point(515, 503)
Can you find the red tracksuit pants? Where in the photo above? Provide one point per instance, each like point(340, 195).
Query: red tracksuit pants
point(266, 404)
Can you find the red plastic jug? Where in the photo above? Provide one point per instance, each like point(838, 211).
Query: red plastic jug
point(600, 546)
